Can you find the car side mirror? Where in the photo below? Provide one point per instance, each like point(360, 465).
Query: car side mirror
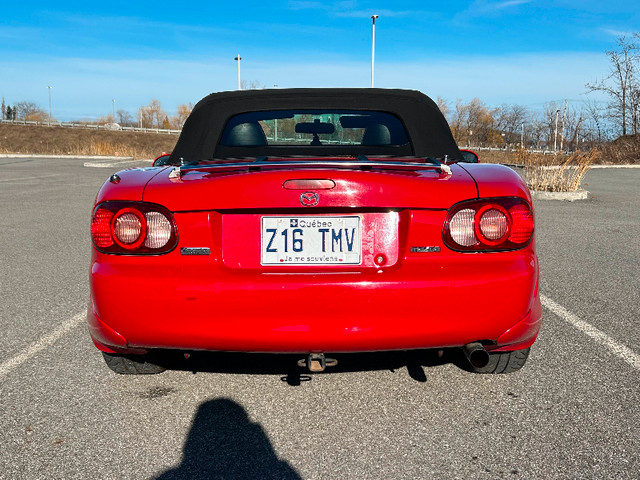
point(162, 160)
point(468, 156)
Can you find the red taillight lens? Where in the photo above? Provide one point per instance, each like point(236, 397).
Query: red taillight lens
point(101, 228)
point(489, 225)
point(133, 228)
point(522, 228)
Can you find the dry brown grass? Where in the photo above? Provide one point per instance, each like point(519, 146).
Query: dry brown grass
point(556, 173)
point(101, 147)
point(621, 151)
point(496, 156)
point(72, 141)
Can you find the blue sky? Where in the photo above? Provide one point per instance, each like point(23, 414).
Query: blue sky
point(525, 52)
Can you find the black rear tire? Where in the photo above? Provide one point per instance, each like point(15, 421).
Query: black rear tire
point(131, 364)
point(504, 362)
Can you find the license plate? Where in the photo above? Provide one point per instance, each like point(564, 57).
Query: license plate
point(311, 240)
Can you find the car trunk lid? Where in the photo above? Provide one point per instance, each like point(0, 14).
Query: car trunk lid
point(312, 218)
point(274, 187)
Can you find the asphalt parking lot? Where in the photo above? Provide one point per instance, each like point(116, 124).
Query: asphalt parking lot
point(572, 412)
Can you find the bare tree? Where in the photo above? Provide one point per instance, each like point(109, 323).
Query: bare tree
point(443, 105)
point(182, 112)
point(594, 121)
point(125, 119)
point(634, 109)
point(538, 130)
point(456, 123)
point(108, 119)
point(251, 85)
point(473, 124)
point(152, 115)
point(572, 127)
point(509, 120)
point(621, 82)
point(29, 111)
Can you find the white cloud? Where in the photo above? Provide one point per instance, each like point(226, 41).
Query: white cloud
point(508, 3)
point(351, 9)
point(618, 33)
point(481, 8)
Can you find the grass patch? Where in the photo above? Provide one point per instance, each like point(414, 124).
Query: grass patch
point(555, 173)
point(44, 140)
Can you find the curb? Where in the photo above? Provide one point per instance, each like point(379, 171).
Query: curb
point(634, 165)
point(562, 196)
point(66, 157)
point(108, 164)
point(555, 167)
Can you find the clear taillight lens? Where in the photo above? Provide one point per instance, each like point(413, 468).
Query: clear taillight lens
point(461, 227)
point(158, 230)
point(493, 223)
point(129, 228)
point(489, 225)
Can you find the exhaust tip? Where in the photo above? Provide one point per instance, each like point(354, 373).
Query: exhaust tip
point(476, 355)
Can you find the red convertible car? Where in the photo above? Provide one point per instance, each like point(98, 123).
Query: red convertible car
point(314, 221)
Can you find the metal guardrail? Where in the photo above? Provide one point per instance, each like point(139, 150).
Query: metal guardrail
point(115, 128)
point(529, 150)
point(109, 127)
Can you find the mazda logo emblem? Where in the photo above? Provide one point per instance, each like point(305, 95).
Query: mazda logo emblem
point(309, 199)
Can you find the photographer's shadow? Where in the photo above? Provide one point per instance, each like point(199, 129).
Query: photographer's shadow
point(224, 444)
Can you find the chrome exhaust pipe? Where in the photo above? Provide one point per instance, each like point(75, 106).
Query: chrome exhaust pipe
point(476, 355)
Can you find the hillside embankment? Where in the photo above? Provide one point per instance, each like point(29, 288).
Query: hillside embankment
point(55, 140)
point(42, 140)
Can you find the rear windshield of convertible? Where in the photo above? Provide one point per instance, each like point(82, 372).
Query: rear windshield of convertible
point(341, 130)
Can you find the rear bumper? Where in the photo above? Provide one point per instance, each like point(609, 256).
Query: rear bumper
point(139, 304)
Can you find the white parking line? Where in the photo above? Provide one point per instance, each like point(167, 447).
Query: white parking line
point(10, 180)
point(618, 349)
point(621, 351)
point(119, 164)
point(41, 344)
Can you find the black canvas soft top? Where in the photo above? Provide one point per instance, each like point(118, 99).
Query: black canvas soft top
point(426, 127)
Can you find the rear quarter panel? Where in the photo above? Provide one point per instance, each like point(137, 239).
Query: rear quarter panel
point(497, 181)
point(127, 184)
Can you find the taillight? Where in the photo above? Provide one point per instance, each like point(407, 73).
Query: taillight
point(159, 230)
point(522, 228)
point(129, 228)
point(101, 228)
point(133, 228)
point(461, 227)
point(494, 224)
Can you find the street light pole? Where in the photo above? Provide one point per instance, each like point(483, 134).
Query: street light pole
point(555, 135)
point(238, 58)
point(564, 119)
point(113, 108)
point(373, 45)
point(49, 88)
